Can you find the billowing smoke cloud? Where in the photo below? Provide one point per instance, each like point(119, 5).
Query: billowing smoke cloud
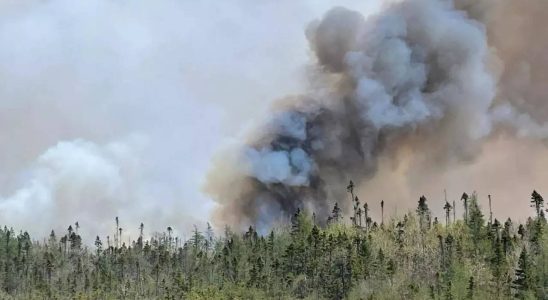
point(114, 108)
point(100, 177)
point(417, 80)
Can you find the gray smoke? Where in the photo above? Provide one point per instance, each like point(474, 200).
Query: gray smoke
point(115, 108)
point(420, 75)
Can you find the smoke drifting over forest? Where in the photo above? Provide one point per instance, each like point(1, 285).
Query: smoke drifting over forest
point(426, 83)
point(115, 108)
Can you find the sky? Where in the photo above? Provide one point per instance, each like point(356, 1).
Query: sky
point(116, 108)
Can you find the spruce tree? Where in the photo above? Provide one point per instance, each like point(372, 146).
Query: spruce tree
point(537, 202)
point(424, 213)
point(464, 198)
point(382, 212)
point(336, 213)
point(521, 281)
point(447, 207)
point(475, 220)
point(470, 288)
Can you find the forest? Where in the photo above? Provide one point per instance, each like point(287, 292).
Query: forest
point(412, 256)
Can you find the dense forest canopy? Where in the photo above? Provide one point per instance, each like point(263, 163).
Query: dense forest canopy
point(352, 256)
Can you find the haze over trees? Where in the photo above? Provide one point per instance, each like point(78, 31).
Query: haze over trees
point(348, 256)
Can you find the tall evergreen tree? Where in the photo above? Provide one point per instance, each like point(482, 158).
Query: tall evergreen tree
point(522, 276)
point(464, 198)
point(537, 202)
point(475, 219)
point(350, 189)
point(336, 213)
point(366, 215)
point(424, 213)
point(447, 207)
point(382, 212)
point(470, 288)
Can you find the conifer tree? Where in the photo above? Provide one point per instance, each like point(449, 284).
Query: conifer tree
point(470, 288)
point(366, 215)
point(116, 239)
point(424, 213)
point(140, 239)
point(521, 231)
point(447, 207)
point(475, 219)
point(521, 281)
point(98, 245)
point(359, 211)
point(537, 202)
point(382, 212)
point(506, 236)
point(464, 198)
point(454, 212)
point(350, 189)
point(336, 213)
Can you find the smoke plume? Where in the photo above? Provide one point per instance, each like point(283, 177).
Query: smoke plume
point(423, 81)
point(115, 108)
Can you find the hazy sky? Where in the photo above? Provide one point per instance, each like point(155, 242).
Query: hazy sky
point(115, 108)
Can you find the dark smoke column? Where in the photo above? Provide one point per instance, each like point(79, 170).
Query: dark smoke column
point(414, 75)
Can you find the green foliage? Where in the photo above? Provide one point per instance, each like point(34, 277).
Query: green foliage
point(405, 258)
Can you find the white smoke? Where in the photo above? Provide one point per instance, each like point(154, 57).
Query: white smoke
point(79, 179)
point(290, 168)
point(80, 80)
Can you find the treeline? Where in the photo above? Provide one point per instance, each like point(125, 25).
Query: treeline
point(413, 256)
